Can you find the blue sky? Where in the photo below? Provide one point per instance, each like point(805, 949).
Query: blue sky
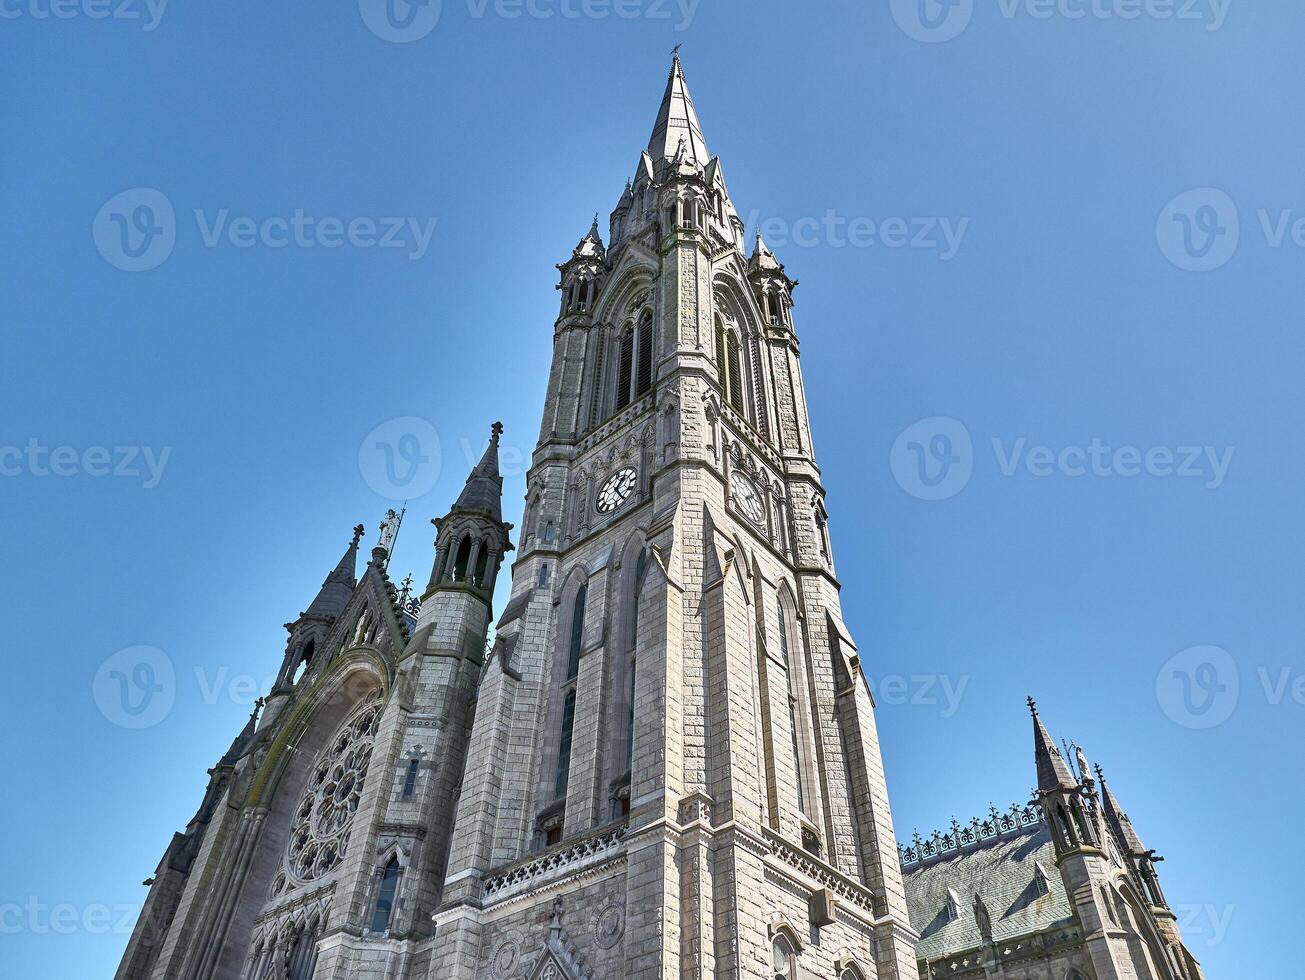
point(1121, 358)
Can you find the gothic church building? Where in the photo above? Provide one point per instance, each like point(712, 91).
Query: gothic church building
point(667, 764)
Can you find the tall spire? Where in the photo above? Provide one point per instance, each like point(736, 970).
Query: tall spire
point(339, 585)
point(1053, 773)
point(1118, 818)
point(677, 120)
point(763, 259)
point(484, 489)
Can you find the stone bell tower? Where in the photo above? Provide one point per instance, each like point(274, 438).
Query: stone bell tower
point(674, 769)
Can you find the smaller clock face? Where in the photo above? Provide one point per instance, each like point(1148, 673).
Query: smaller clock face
point(616, 490)
point(747, 499)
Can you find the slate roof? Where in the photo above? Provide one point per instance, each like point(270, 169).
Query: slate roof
point(1002, 870)
point(677, 119)
point(484, 487)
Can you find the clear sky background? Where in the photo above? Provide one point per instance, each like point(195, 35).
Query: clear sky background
point(1063, 317)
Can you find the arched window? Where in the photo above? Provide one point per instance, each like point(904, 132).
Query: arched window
point(365, 631)
point(643, 374)
point(776, 303)
point(640, 568)
point(729, 365)
point(385, 897)
point(720, 353)
point(783, 959)
point(303, 955)
point(822, 533)
point(624, 368)
point(305, 660)
point(794, 710)
point(410, 780)
point(462, 559)
point(735, 370)
point(577, 632)
point(563, 774)
point(482, 564)
point(568, 688)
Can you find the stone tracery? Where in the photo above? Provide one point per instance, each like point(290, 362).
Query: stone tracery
point(319, 834)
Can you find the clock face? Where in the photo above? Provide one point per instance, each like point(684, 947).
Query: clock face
point(616, 490)
point(747, 499)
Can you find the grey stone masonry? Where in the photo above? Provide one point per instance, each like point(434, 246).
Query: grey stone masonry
point(667, 764)
point(674, 754)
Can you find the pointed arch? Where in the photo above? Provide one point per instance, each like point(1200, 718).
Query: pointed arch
point(743, 370)
point(482, 563)
point(643, 374)
point(785, 947)
point(386, 897)
point(555, 763)
point(801, 720)
point(624, 366)
point(624, 658)
point(462, 559)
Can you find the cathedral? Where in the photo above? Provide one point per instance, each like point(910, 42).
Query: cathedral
point(666, 763)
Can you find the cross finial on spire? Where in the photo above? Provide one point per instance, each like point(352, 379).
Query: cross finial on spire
point(675, 51)
point(496, 430)
point(358, 532)
point(1033, 706)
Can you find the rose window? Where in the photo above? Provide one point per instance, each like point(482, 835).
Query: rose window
point(319, 834)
